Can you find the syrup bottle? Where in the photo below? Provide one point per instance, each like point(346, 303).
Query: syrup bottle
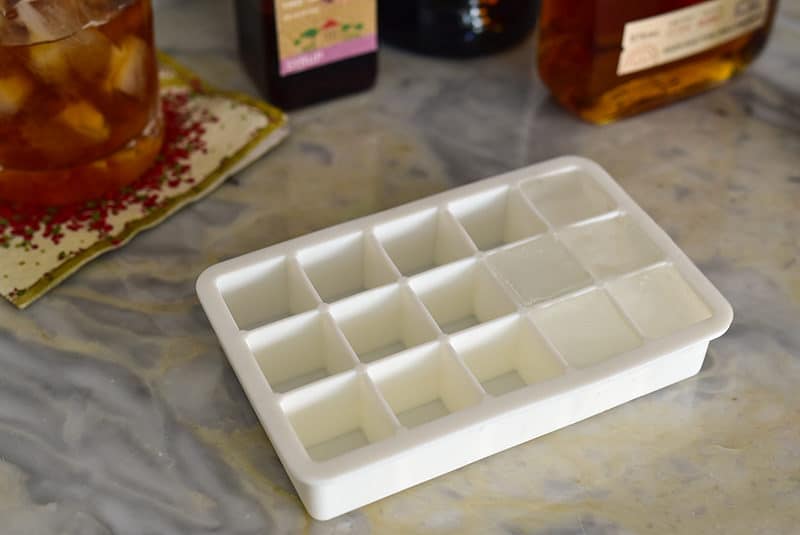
point(456, 28)
point(303, 52)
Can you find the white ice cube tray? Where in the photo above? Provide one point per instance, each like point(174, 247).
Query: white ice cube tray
point(394, 348)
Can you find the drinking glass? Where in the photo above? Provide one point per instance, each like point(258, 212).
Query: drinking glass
point(79, 100)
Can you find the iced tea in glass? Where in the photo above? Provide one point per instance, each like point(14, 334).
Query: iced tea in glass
point(79, 106)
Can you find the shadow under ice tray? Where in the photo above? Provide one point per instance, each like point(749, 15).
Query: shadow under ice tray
point(391, 349)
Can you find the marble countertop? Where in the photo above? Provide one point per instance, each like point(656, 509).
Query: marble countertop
point(119, 412)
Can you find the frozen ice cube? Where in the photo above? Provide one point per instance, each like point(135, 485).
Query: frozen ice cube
point(86, 53)
point(586, 329)
point(12, 32)
point(14, 89)
point(86, 120)
point(567, 197)
point(659, 301)
point(612, 247)
point(96, 12)
point(538, 269)
point(89, 53)
point(48, 61)
point(48, 20)
point(128, 67)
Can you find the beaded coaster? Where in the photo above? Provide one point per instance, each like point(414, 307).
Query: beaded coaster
point(209, 135)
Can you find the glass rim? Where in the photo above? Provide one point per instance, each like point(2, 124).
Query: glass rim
point(82, 19)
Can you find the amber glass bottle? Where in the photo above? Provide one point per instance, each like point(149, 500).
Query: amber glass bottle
point(456, 28)
point(607, 59)
point(299, 56)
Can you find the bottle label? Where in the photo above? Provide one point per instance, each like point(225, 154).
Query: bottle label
point(312, 33)
point(675, 35)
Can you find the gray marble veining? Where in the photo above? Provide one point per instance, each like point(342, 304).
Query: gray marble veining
point(119, 413)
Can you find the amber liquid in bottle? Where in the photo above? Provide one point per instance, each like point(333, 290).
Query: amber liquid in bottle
point(580, 43)
point(258, 48)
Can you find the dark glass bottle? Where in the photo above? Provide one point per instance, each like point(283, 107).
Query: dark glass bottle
point(456, 28)
point(293, 81)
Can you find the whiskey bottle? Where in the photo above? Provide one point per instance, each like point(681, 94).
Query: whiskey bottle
point(607, 59)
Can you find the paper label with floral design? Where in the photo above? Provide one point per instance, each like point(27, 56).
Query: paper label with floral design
point(312, 33)
point(209, 135)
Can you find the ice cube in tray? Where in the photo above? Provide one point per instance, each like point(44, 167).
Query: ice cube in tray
point(538, 270)
point(394, 348)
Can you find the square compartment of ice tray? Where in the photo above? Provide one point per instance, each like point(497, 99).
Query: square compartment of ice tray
point(462, 295)
point(266, 292)
point(507, 355)
point(383, 321)
point(497, 217)
point(538, 270)
point(610, 247)
point(337, 416)
point(346, 266)
point(567, 197)
point(586, 329)
point(659, 301)
point(424, 240)
point(300, 350)
point(424, 384)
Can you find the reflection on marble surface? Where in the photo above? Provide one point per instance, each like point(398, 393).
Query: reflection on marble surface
point(119, 413)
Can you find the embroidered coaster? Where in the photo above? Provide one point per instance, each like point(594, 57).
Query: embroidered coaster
point(209, 135)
